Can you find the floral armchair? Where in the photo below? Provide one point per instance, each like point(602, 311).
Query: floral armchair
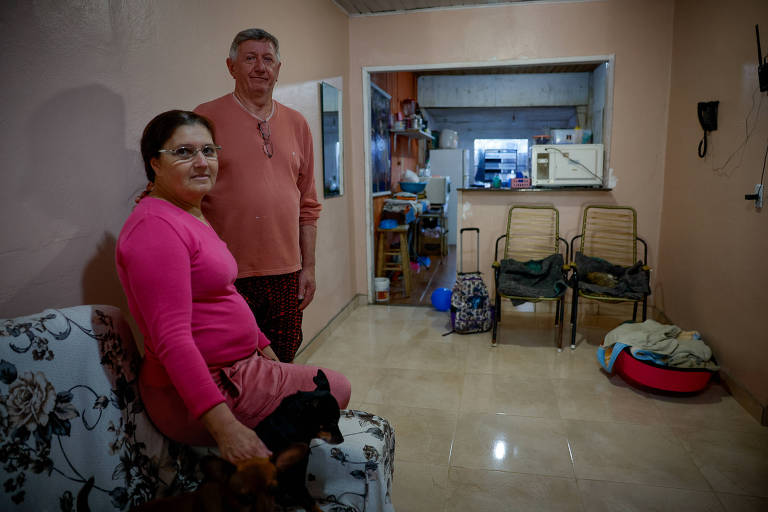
point(70, 411)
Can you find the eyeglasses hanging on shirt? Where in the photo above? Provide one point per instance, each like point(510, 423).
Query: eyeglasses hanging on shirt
point(264, 130)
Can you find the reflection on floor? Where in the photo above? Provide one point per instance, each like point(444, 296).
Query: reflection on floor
point(440, 274)
point(523, 427)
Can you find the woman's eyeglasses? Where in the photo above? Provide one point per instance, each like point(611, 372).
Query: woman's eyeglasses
point(264, 130)
point(188, 152)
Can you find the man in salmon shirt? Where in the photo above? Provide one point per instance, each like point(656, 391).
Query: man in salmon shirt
point(264, 205)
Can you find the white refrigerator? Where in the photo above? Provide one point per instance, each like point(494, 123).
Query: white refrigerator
point(453, 163)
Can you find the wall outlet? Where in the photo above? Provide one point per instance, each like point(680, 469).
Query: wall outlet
point(759, 194)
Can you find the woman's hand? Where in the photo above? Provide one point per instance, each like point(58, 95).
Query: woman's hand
point(236, 442)
point(240, 443)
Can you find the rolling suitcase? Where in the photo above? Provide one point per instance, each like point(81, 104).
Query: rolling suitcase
point(471, 308)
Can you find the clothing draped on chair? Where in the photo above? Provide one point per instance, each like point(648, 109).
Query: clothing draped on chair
point(533, 278)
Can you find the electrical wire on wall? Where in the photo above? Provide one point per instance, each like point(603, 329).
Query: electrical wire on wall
point(723, 169)
point(765, 157)
point(575, 162)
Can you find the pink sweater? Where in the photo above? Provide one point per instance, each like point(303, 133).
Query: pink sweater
point(178, 277)
point(259, 203)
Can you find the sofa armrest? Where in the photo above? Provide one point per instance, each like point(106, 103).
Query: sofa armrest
point(68, 379)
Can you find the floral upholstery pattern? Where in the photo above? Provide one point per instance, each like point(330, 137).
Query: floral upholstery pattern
point(70, 411)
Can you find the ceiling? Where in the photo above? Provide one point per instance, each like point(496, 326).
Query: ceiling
point(370, 7)
point(513, 69)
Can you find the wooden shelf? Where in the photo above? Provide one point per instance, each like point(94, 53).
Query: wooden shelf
point(411, 134)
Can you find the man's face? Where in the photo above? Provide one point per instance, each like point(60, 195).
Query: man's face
point(256, 68)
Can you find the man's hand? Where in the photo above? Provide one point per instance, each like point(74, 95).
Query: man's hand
point(307, 239)
point(306, 287)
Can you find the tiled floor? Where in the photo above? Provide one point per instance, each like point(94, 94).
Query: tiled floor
point(521, 427)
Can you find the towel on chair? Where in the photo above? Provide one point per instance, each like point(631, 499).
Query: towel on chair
point(534, 278)
point(599, 276)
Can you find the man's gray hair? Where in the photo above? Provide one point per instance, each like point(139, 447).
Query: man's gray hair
point(253, 34)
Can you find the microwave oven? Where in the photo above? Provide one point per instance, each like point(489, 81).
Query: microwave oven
point(558, 165)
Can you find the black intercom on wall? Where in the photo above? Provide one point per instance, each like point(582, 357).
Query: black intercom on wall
point(707, 111)
point(708, 115)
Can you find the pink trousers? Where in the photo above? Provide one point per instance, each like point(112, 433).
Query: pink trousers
point(252, 388)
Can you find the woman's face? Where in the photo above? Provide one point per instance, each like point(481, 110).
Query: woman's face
point(186, 179)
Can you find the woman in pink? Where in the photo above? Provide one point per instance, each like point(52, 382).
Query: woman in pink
point(209, 374)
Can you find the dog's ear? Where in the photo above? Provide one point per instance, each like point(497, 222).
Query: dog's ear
point(216, 469)
point(291, 456)
point(321, 381)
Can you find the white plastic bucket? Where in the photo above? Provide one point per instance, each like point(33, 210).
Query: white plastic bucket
point(381, 288)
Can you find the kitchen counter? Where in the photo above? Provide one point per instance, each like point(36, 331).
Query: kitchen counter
point(539, 189)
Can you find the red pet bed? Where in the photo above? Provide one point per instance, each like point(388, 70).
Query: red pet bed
point(665, 378)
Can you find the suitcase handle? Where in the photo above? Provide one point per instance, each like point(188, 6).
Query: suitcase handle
point(461, 253)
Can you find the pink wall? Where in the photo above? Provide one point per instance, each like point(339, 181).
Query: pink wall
point(80, 81)
point(638, 33)
point(85, 78)
point(714, 244)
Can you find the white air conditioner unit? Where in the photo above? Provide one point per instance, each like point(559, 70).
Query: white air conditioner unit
point(558, 165)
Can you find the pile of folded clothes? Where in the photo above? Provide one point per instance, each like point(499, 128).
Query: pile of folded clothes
point(663, 345)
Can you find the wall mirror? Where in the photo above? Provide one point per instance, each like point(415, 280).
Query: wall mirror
point(333, 171)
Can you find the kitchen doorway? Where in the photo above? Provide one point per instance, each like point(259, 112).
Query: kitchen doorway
point(410, 151)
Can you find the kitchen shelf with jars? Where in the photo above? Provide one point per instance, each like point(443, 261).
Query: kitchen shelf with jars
point(408, 123)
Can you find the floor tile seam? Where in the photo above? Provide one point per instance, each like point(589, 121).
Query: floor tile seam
point(453, 439)
point(679, 433)
point(654, 425)
point(472, 372)
point(422, 371)
point(454, 413)
point(677, 442)
point(720, 501)
point(626, 482)
point(521, 473)
point(440, 349)
point(414, 407)
point(547, 387)
point(747, 495)
point(498, 413)
point(391, 366)
point(750, 430)
point(618, 422)
point(700, 466)
point(511, 415)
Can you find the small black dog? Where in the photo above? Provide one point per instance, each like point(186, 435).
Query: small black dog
point(299, 418)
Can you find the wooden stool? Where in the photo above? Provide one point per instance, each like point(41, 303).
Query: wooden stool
point(383, 263)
